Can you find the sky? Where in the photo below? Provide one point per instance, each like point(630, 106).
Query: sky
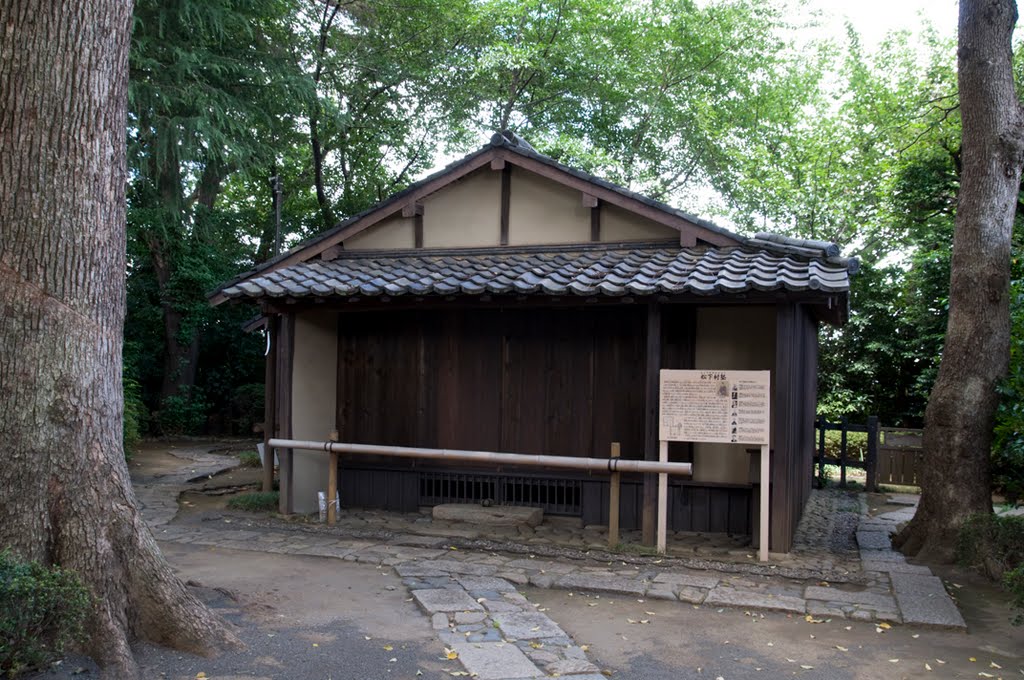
point(874, 18)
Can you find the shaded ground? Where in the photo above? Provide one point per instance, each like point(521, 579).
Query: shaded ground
point(681, 641)
point(301, 617)
point(307, 617)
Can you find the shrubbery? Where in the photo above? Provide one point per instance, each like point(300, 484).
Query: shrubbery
point(41, 611)
point(995, 545)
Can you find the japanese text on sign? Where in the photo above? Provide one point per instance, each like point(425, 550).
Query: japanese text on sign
point(715, 406)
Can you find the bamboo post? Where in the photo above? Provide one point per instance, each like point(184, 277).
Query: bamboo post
point(613, 500)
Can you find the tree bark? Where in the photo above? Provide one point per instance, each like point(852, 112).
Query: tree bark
point(65, 496)
point(961, 409)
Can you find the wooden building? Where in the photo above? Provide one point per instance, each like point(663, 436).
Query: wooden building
point(510, 303)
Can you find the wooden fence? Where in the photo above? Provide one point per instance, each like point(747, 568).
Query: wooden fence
point(890, 455)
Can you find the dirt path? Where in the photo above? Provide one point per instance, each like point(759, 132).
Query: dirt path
point(301, 617)
point(681, 641)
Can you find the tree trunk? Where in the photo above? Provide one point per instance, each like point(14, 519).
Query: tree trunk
point(65, 495)
point(961, 409)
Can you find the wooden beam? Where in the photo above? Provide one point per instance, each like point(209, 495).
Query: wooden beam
point(332, 253)
point(386, 210)
point(498, 164)
point(595, 223)
point(615, 198)
point(506, 201)
point(613, 501)
point(269, 409)
point(651, 411)
point(412, 209)
point(283, 385)
point(417, 230)
point(687, 239)
point(589, 200)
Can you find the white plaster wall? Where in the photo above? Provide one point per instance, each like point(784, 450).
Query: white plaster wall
point(542, 211)
point(466, 213)
point(314, 400)
point(618, 224)
point(737, 337)
point(394, 232)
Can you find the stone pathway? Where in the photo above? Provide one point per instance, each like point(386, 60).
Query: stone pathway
point(496, 633)
point(920, 596)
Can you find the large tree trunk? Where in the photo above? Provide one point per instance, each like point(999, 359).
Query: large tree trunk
point(65, 496)
point(962, 405)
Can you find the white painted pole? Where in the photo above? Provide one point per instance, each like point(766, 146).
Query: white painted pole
point(762, 553)
point(662, 499)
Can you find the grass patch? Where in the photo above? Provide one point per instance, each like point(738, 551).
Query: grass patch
point(250, 459)
point(255, 501)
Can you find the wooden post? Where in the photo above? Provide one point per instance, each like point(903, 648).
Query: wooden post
point(653, 367)
point(662, 499)
point(269, 408)
point(823, 424)
point(332, 489)
point(766, 475)
point(283, 403)
point(842, 453)
point(613, 500)
point(872, 460)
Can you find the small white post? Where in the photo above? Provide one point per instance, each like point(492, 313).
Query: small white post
point(662, 499)
point(762, 551)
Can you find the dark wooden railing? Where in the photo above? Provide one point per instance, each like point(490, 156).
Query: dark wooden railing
point(891, 455)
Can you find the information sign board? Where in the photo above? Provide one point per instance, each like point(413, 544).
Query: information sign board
point(730, 407)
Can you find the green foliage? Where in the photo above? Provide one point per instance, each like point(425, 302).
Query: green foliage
point(41, 612)
point(250, 459)
point(995, 545)
point(134, 415)
point(1008, 442)
point(256, 501)
point(183, 413)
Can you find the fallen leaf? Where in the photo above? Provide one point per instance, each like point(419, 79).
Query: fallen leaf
point(387, 648)
point(927, 667)
point(894, 660)
point(537, 645)
point(971, 659)
point(200, 675)
point(841, 648)
point(392, 660)
point(806, 667)
point(884, 625)
point(650, 613)
point(993, 664)
point(315, 644)
point(450, 654)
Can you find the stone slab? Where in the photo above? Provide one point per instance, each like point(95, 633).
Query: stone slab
point(691, 580)
point(571, 667)
point(736, 597)
point(495, 661)
point(924, 601)
point(602, 583)
point(863, 598)
point(540, 565)
point(903, 498)
point(527, 625)
point(488, 583)
point(435, 567)
point(894, 567)
point(493, 516)
point(445, 600)
point(874, 540)
point(886, 555)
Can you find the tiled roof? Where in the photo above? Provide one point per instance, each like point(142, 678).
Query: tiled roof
point(583, 270)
